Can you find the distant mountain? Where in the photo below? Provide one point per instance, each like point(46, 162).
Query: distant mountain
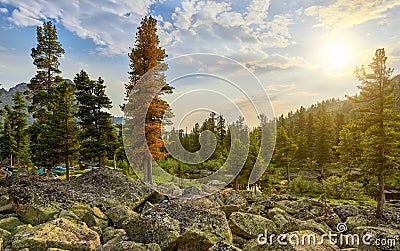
point(6, 99)
point(6, 96)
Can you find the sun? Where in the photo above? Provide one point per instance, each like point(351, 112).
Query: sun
point(338, 55)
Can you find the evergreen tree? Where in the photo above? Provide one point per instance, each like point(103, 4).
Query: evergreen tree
point(65, 129)
point(97, 134)
point(285, 148)
point(323, 138)
point(377, 124)
point(15, 141)
point(144, 56)
point(46, 57)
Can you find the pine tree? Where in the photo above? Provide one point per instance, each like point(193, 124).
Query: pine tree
point(323, 136)
point(285, 148)
point(144, 56)
point(65, 129)
point(15, 141)
point(97, 132)
point(377, 124)
point(46, 57)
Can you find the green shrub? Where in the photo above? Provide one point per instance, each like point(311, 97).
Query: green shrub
point(300, 185)
point(340, 188)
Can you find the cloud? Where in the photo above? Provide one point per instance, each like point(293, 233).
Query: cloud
point(245, 31)
point(3, 10)
point(111, 25)
point(344, 14)
point(304, 94)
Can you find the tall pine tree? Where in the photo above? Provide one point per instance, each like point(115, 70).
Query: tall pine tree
point(46, 57)
point(144, 56)
point(377, 124)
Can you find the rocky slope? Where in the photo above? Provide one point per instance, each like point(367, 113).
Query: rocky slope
point(104, 210)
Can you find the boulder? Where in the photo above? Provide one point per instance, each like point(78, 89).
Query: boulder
point(357, 221)
point(293, 241)
point(120, 244)
point(378, 238)
point(10, 224)
point(120, 214)
point(110, 233)
point(223, 246)
point(38, 201)
point(175, 224)
point(250, 225)
point(58, 233)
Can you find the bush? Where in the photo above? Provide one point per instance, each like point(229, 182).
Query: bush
point(300, 185)
point(340, 188)
point(213, 165)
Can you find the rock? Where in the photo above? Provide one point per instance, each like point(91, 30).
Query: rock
point(5, 237)
point(357, 221)
point(7, 209)
point(223, 246)
point(250, 225)
point(274, 211)
point(110, 233)
point(10, 224)
point(120, 214)
point(293, 241)
point(235, 198)
point(175, 223)
point(39, 201)
point(378, 238)
point(93, 217)
point(229, 209)
point(119, 244)
point(253, 197)
point(294, 224)
point(58, 233)
point(4, 200)
point(345, 211)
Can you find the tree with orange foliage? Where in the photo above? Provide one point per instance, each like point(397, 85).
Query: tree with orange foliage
point(144, 56)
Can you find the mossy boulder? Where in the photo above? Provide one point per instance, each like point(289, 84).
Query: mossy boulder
point(59, 233)
point(120, 214)
point(175, 223)
point(119, 244)
point(223, 246)
point(93, 217)
point(294, 241)
point(250, 225)
point(10, 224)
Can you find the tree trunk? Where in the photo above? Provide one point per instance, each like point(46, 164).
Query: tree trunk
point(101, 161)
point(115, 160)
point(381, 197)
point(11, 161)
point(67, 167)
point(288, 172)
point(147, 169)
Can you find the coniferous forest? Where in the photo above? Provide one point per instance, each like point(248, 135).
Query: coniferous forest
point(335, 151)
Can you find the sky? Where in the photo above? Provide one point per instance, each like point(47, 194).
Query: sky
point(294, 53)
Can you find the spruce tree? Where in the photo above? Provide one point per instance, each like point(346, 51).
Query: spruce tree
point(97, 134)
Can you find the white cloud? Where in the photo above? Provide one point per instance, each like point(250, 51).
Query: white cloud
point(3, 10)
point(110, 24)
point(344, 13)
point(246, 33)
